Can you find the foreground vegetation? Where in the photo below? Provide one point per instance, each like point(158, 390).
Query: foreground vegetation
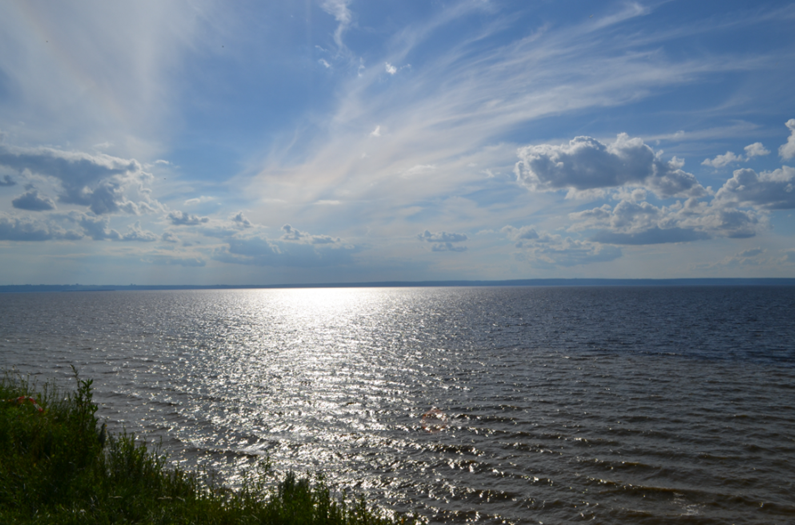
point(57, 465)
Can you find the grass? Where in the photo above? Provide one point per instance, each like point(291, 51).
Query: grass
point(57, 465)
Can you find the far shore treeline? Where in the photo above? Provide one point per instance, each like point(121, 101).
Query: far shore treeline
point(774, 281)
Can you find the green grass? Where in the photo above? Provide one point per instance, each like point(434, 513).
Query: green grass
point(58, 466)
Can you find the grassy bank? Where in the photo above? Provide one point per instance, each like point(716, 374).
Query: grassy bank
point(57, 465)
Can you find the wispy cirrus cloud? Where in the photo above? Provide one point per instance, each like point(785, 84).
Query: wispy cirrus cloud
point(446, 112)
point(342, 14)
point(115, 76)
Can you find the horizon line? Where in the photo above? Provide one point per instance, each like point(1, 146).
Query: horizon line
point(574, 281)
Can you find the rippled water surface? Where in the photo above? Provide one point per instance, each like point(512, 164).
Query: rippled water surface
point(553, 405)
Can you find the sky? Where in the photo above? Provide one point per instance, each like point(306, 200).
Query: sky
point(320, 141)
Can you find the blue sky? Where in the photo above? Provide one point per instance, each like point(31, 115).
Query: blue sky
point(340, 140)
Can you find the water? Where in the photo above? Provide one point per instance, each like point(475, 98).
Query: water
point(552, 405)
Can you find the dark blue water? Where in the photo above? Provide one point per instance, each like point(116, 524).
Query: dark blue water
point(553, 405)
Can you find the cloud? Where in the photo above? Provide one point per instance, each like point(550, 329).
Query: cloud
point(753, 252)
point(47, 228)
point(199, 200)
point(626, 217)
point(787, 151)
point(294, 235)
point(180, 218)
point(447, 247)
point(525, 233)
point(169, 237)
point(110, 82)
point(547, 251)
point(469, 99)
point(653, 235)
point(7, 181)
point(175, 261)
point(260, 251)
point(771, 190)
point(104, 183)
point(723, 160)
point(744, 258)
point(135, 233)
point(97, 228)
point(731, 223)
point(643, 223)
point(443, 241)
point(241, 220)
point(441, 237)
point(635, 195)
point(339, 10)
point(419, 169)
point(465, 104)
point(574, 253)
point(295, 248)
point(22, 229)
point(323, 63)
point(755, 150)
point(585, 164)
point(752, 150)
point(32, 201)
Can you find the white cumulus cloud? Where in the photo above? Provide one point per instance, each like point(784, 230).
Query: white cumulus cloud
point(103, 183)
point(787, 151)
point(180, 218)
point(444, 241)
point(586, 164)
point(772, 190)
point(722, 160)
point(295, 235)
point(33, 201)
point(644, 223)
point(14, 228)
point(755, 150)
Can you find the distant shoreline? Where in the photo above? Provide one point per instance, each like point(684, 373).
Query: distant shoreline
point(773, 281)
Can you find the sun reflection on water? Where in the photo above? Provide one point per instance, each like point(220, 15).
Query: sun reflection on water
point(309, 380)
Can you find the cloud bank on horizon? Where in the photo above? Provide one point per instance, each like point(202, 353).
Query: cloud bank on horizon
point(343, 140)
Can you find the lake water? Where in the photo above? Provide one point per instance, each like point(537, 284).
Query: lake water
point(495, 405)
